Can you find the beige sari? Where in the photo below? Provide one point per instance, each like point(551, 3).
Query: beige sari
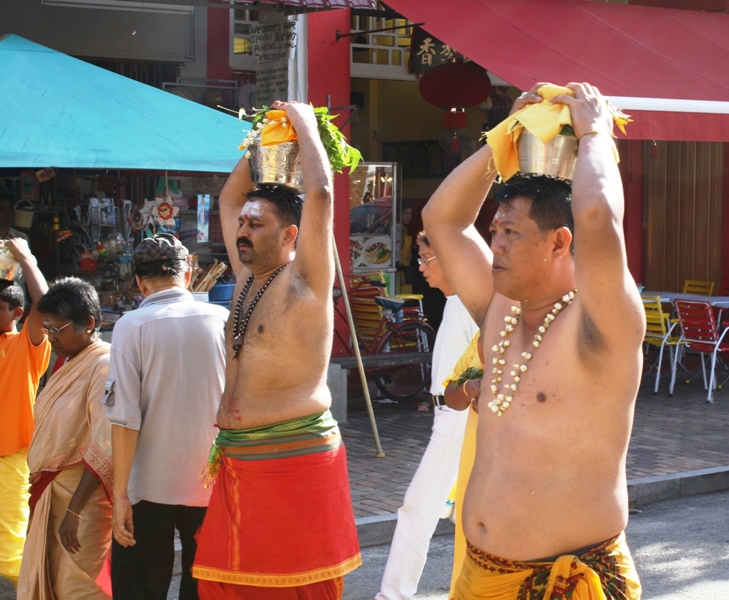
point(71, 433)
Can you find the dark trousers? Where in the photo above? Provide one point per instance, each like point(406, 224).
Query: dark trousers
point(144, 571)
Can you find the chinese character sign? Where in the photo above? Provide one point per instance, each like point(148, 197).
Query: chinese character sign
point(427, 51)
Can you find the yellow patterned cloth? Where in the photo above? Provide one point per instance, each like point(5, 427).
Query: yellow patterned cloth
point(545, 120)
point(604, 572)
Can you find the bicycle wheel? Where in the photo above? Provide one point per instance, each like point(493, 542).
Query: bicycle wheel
point(399, 382)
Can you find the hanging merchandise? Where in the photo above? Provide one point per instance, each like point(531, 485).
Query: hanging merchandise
point(203, 217)
point(142, 218)
point(166, 215)
point(169, 188)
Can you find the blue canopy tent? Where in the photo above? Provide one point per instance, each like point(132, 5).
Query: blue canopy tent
point(58, 111)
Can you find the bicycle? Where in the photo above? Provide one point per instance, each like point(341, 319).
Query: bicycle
point(387, 326)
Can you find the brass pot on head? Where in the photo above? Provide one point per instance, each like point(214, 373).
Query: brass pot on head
point(278, 163)
point(556, 158)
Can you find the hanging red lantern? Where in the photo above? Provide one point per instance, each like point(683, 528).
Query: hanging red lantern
point(455, 87)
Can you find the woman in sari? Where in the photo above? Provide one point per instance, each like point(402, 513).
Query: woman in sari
point(69, 535)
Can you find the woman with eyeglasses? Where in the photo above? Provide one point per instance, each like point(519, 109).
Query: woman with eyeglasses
point(69, 536)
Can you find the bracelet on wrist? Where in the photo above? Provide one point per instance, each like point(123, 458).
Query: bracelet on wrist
point(78, 516)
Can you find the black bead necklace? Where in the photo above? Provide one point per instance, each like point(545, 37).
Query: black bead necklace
point(240, 326)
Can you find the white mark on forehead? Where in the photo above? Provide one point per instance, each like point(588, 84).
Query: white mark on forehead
point(253, 209)
point(499, 216)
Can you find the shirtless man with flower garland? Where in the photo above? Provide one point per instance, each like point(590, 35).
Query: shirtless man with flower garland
point(280, 522)
point(561, 336)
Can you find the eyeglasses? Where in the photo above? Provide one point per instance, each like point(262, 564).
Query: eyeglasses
point(54, 330)
point(425, 261)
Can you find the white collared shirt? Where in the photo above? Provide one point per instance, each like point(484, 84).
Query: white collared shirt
point(167, 374)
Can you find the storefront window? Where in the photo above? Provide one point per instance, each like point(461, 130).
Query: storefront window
point(374, 202)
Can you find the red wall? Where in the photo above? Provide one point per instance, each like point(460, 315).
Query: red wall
point(218, 46)
point(725, 226)
point(329, 72)
point(632, 170)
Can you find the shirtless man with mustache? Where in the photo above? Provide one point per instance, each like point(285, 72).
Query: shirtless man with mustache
point(280, 515)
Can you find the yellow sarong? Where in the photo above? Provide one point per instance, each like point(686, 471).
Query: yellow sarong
point(604, 572)
point(13, 513)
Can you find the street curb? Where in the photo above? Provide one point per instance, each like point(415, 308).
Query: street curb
point(378, 530)
point(646, 490)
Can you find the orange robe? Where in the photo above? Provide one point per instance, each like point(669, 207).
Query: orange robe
point(21, 366)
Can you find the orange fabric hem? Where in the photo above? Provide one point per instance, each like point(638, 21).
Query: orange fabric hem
point(278, 579)
point(331, 589)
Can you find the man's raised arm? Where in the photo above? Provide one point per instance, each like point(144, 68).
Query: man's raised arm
point(36, 284)
point(608, 294)
point(230, 203)
point(449, 218)
point(314, 261)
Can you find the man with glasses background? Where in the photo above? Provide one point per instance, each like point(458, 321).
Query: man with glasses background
point(428, 492)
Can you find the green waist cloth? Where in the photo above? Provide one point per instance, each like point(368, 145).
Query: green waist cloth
point(306, 428)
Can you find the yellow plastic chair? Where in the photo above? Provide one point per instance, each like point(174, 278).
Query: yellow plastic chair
point(661, 331)
point(702, 288)
point(366, 314)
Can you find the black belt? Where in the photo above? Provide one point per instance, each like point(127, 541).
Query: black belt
point(438, 400)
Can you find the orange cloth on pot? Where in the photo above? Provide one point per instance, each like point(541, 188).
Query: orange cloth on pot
point(277, 131)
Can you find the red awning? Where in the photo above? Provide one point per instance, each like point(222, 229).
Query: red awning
point(314, 4)
point(631, 52)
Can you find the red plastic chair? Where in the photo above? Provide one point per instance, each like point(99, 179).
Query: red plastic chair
point(700, 333)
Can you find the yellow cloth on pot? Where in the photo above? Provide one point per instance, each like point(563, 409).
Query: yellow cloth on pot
point(278, 129)
point(544, 120)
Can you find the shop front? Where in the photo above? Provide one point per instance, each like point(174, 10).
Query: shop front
point(90, 174)
point(667, 68)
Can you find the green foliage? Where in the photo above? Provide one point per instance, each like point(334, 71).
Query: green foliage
point(470, 373)
point(340, 153)
point(567, 130)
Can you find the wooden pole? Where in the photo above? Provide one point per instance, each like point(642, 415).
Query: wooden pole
point(379, 453)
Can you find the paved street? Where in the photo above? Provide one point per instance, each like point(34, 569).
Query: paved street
point(681, 548)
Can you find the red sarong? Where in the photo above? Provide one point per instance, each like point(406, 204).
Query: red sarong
point(278, 523)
